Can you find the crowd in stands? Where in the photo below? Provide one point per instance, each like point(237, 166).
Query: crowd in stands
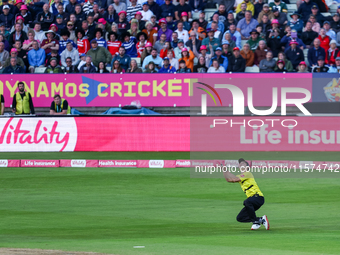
point(164, 36)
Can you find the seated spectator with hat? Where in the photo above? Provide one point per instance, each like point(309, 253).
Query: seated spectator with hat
point(280, 66)
point(265, 11)
point(14, 54)
point(320, 68)
point(335, 68)
point(329, 31)
point(254, 40)
point(99, 54)
point(6, 17)
point(295, 54)
point(53, 67)
point(122, 23)
point(296, 23)
point(222, 60)
point(292, 36)
point(164, 30)
point(237, 64)
point(50, 43)
point(281, 17)
point(302, 68)
point(167, 68)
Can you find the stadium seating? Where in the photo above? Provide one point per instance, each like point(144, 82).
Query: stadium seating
point(138, 60)
point(252, 69)
point(40, 70)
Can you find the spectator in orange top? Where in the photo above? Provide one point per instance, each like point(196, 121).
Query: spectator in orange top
point(324, 39)
point(150, 32)
point(199, 31)
point(188, 57)
point(248, 54)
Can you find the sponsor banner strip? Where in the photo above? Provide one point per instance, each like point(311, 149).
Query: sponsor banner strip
point(39, 163)
point(117, 163)
point(78, 163)
point(9, 163)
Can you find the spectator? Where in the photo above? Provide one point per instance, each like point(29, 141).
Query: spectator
point(88, 67)
point(53, 67)
point(113, 44)
point(287, 63)
point(50, 43)
point(116, 68)
point(335, 68)
point(70, 7)
point(278, 4)
point(315, 52)
point(264, 26)
point(59, 23)
point(134, 67)
point(111, 15)
point(28, 44)
point(280, 67)
point(3, 55)
point(151, 68)
point(188, 57)
point(69, 66)
point(219, 25)
point(201, 20)
point(182, 7)
point(237, 63)
point(320, 68)
point(83, 43)
point(165, 50)
point(164, 30)
point(39, 34)
point(69, 52)
point(155, 8)
point(65, 39)
point(182, 33)
point(171, 23)
point(302, 68)
point(59, 106)
point(267, 64)
point(305, 10)
point(99, 38)
point(13, 68)
point(18, 34)
point(88, 6)
point(335, 23)
point(295, 23)
point(150, 32)
point(281, 17)
point(235, 35)
point(183, 68)
point(62, 14)
point(222, 13)
point(160, 43)
point(22, 101)
point(248, 54)
point(134, 29)
point(146, 12)
point(82, 61)
point(249, 4)
point(332, 53)
point(53, 54)
point(3, 30)
point(246, 25)
point(222, 60)
point(21, 53)
point(324, 39)
point(45, 17)
point(184, 19)
point(193, 42)
point(154, 58)
point(147, 51)
point(54, 28)
point(203, 53)
point(19, 61)
point(261, 52)
point(36, 57)
point(274, 41)
point(241, 15)
point(230, 20)
point(266, 11)
point(175, 40)
point(6, 17)
point(167, 68)
point(99, 53)
point(309, 35)
point(211, 40)
point(122, 58)
point(167, 8)
point(292, 36)
point(200, 67)
point(122, 23)
point(178, 49)
point(329, 32)
point(315, 25)
point(129, 44)
point(254, 40)
point(226, 50)
point(216, 67)
point(102, 68)
point(318, 16)
point(294, 54)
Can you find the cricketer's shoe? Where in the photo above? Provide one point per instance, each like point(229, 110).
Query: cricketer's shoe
point(265, 222)
point(255, 226)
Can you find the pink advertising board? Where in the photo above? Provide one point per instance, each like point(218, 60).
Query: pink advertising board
point(117, 163)
point(170, 134)
point(158, 90)
point(9, 163)
point(39, 163)
point(78, 163)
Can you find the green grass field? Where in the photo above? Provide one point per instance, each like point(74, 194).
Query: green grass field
point(110, 210)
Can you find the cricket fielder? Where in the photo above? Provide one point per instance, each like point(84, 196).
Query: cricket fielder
point(254, 195)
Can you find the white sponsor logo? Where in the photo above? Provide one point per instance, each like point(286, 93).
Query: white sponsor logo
point(117, 163)
point(197, 163)
point(3, 163)
point(38, 134)
point(39, 163)
point(183, 163)
point(156, 163)
point(78, 163)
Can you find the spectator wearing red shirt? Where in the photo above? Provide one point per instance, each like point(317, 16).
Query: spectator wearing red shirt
point(332, 53)
point(324, 39)
point(50, 43)
point(113, 44)
point(141, 37)
point(83, 44)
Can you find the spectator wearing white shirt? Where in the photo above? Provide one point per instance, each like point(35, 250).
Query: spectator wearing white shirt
point(329, 31)
point(39, 34)
point(216, 67)
point(119, 6)
point(69, 52)
point(182, 33)
point(146, 13)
